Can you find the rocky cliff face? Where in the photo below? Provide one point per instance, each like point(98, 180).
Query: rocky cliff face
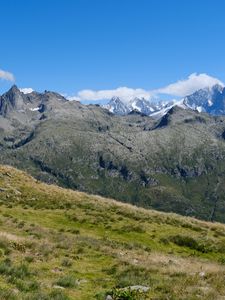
point(10, 101)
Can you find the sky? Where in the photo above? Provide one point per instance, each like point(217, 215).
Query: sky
point(94, 49)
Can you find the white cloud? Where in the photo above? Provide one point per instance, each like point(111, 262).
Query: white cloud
point(26, 90)
point(181, 88)
point(124, 93)
point(190, 85)
point(6, 75)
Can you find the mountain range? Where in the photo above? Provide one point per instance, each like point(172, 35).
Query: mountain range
point(210, 100)
point(175, 162)
point(119, 107)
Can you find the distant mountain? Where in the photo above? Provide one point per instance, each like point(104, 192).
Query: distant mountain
point(117, 106)
point(210, 100)
point(27, 108)
point(166, 107)
point(172, 162)
point(141, 105)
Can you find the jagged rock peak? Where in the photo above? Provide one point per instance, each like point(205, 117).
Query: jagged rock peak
point(13, 99)
point(13, 90)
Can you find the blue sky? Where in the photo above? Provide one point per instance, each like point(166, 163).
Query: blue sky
point(73, 45)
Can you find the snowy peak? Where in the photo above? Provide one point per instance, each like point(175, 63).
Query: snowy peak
point(166, 107)
point(210, 100)
point(117, 106)
point(141, 105)
point(150, 108)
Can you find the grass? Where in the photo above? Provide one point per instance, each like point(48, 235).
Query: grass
point(67, 281)
point(61, 244)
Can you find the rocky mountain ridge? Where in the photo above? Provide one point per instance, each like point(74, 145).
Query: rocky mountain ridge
point(173, 163)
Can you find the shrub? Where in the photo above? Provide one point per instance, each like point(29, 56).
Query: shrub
point(75, 231)
point(190, 242)
point(132, 228)
point(21, 271)
point(66, 262)
point(133, 275)
point(29, 259)
point(164, 240)
point(80, 250)
point(46, 249)
point(21, 224)
point(222, 260)
point(26, 286)
point(18, 246)
point(54, 295)
point(101, 295)
point(8, 294)
point(67, 281)
point(5, 245)
point(5, 267)
point(127, 294)
point(57, 295)
point(63, 242)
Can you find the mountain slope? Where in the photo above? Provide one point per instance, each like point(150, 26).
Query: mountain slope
point(63, 244)
point(176, 163)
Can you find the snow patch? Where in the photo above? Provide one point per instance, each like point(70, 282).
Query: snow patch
point(210, 103)
point(26, 90)
point(199, 108)
point(35, 109)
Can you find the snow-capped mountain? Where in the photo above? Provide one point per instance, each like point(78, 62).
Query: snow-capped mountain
point(210, 100)
point(154, 108)
point(167, 106)
point(117, 106)
point(141, 105)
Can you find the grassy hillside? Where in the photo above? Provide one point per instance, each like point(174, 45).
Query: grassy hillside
point(62, 244)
